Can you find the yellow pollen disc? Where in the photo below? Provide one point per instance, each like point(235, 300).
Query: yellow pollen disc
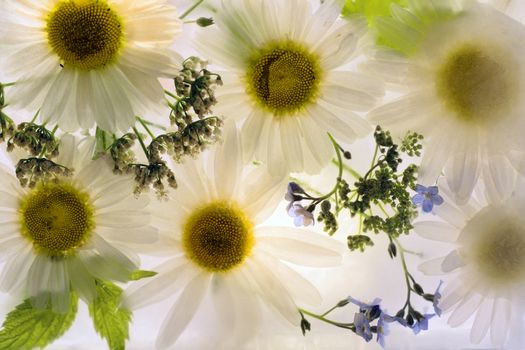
point(85, 34)
point(56, 218)
point(283, 78)
point(473, 84)
point(218, 236)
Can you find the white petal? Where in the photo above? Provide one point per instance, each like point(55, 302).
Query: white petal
point(16, 268)
point(463, 171)
point(161, 286)
point(437, 152)
point(183, 311)
point(482, 321)
point(139, 235)
point(300, 247)
point(109, 267)
point(303, 291)
point(228, 162)
point(499, 328)
point(499, 176)
point(432, 267)
point(453, 293)
point(235, 304)
point(438, 231)
point(10, 245)
point(339, 48)
point(38, 275)
point(451, 214)
point(59, 286)
point(261, 193)
point(452, 261)
point(291, 142)
point(465, 309)
point(273, 292)
point(81, 280)
point(319, 146)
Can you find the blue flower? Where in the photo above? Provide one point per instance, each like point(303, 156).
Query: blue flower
point(362, 326)
point(427, 197)
point(294, 192)
point(302, 217)
point(422, 323)
point(364, 306)
point(382, 328)
point(437, 298)
point(371, 310)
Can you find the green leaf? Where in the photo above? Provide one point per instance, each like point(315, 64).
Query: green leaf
point(370, 8)
point(110, 321)
point(140, 274)
point(27, 327)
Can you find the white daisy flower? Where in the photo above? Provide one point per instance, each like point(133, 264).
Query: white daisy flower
point(285, 79)
point(463, 88)
point(61, 236)
point(84, 62)
point(218, 247)
point(486, 267)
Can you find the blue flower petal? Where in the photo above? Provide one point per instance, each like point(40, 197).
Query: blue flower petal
point(427, 205)
point(418, 198)
point(437, 199)
point(421, 189)
point(433, 190)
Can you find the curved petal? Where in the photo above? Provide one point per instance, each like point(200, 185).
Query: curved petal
point(299, 246)
point(183, 311)
point(273, 292)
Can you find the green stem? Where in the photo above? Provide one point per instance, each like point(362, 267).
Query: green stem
point(169, 93)
point(145, 126)
point(383, 209)
point(340, 165)
point(405, 271)
point(322, 318)
point(374, 158)
point(330, 310)
point(35, 116)
point(190, 10)
point(348, 169)
point(141, 142)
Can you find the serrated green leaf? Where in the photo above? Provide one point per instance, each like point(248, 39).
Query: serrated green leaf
point(110, 321)
point(27, 327)
point(140, 274)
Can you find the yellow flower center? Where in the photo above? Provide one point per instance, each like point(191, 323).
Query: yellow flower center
point(85, 34)
point(283, 78)
point(473, 84)
point(498, 247)
point(218, 236)
point(56, 218)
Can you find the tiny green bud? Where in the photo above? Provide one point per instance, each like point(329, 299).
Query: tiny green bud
point(419, 290)
point(205, 22)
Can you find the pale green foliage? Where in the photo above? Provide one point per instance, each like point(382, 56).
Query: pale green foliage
point(405, 27)
point(27, 327)
point(140, 274)
point(110, 321)
point(370, 8)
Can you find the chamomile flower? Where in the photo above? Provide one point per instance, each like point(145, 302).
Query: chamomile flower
point(285, 80)
point(63, 235)
point(212, 230)
point(83, 62)
point(462, 82)
point(486, 267)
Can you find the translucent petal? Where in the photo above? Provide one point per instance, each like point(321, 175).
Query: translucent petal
point(183, 311)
